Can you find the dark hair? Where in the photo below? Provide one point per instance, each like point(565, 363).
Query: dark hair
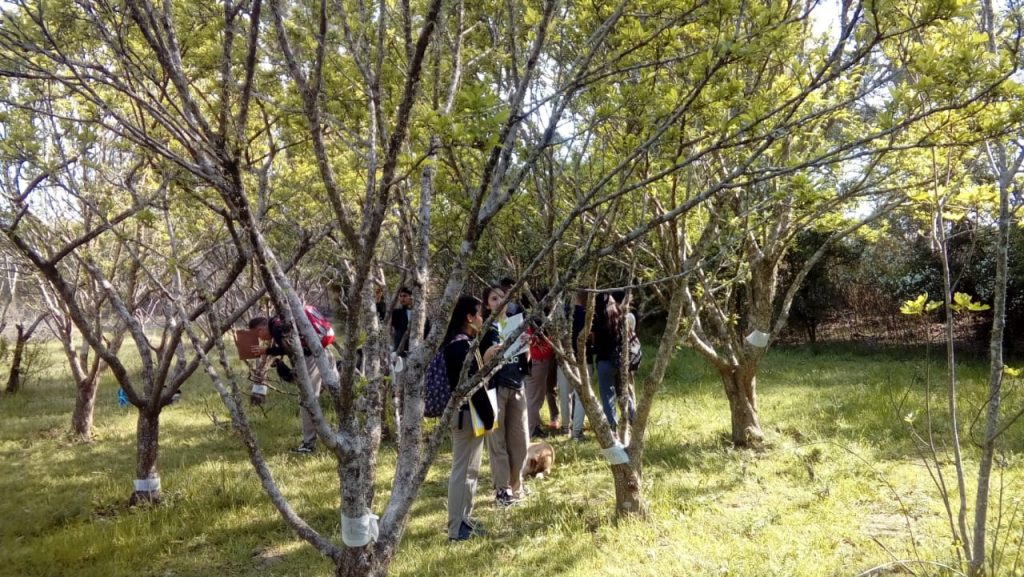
point(466, 305)
point(619, 296)
point(404, 290)
point(257, 322)
point(507, 283)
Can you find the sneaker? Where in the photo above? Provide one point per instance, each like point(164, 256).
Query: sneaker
point(505, 498)
point(305, 448)
point(465, 533)
point(565, 430)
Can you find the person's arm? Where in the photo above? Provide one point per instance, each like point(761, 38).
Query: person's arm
point(454, 356)
point(490, 344)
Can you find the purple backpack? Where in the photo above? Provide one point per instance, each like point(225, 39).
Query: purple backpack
point(437, 392)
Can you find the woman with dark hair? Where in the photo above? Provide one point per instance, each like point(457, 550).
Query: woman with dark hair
point(506, 446)
point(607, 352)
point(467, 448)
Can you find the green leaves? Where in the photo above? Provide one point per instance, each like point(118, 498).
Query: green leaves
point(919, 306)
point(962, 303)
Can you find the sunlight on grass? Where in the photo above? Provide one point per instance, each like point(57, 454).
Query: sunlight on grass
point(839, 488)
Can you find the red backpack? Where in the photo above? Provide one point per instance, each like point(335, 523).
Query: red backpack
point(321, 325)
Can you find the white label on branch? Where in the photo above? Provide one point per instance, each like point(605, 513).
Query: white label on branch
point(259, 389)
point(147, 485)
point(359, 531)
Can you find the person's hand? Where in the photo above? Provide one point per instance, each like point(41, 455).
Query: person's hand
point(489, 353)
point(258, 350)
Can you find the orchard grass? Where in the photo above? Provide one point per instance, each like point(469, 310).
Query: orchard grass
point(839, 488)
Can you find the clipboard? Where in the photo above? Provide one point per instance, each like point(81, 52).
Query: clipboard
point(246, 341)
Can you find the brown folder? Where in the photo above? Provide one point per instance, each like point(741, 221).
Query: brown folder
point(247, 340)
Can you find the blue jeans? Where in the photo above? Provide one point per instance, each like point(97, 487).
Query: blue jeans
point(607, 373)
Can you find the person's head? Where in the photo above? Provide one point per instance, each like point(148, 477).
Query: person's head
point(466, 318)
point(506, 284)
point(378, 292)
point(262, 327)
point(405, 297)
point(493, 295)
point(581, 298)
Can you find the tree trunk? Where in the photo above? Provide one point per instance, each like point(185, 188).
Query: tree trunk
point(14, 378)
point(629, 497)
point(85, 403)
point(147, 478)
point(741, 388)
point(370, 561)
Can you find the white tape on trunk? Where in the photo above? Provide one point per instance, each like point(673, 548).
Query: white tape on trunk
point(616, 454)
point(758, 339)
point(147, 485)
point(359, 531)
point(259, 389)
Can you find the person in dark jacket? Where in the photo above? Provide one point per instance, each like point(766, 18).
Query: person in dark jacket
point(401, 319)
point(606, 353)
point(467, 448)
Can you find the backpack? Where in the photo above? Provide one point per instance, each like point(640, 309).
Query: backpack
point(437, 391)
point(321, 325)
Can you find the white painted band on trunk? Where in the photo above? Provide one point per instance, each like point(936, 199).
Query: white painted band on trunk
point(758, 339)
point(359, 531)
point(147, 485)
point(616, 454)
point(259, 389)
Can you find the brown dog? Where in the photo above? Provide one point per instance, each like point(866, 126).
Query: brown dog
point(540, 457)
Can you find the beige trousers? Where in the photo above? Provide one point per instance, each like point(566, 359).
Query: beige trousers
point(308, 428)
point(507, 445)
point(467, 450)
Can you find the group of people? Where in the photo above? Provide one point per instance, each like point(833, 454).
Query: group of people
point(520, 386)
point(510, 403)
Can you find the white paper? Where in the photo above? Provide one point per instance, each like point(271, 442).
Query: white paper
point(479, 429)
point(359, 531)
point(514, 349)
point(510, 325)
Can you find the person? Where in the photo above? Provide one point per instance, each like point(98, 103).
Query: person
point(507, 445)
point(505, 285)
point(467, 448)
point(273, 330)
point(379, 304)
point(542, 360)
point(570, 402)
point(401, 319)
point(605, 332)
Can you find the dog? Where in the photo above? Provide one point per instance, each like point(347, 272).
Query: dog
point(540, 458)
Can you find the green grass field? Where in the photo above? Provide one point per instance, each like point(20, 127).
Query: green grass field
point(839, 489)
